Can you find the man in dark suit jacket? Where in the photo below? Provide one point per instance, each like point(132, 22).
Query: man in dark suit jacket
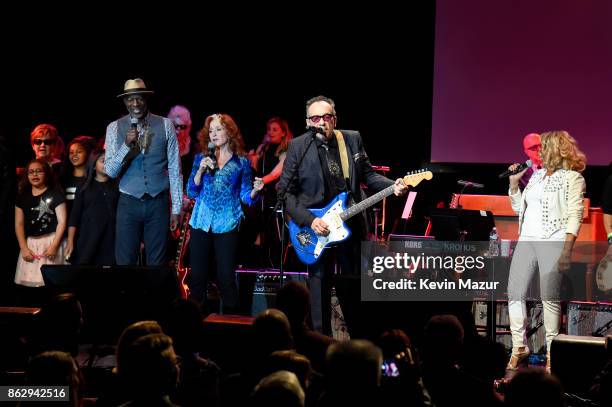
point(318, 179)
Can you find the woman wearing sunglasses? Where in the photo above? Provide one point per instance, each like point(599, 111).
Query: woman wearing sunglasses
point(48, 146)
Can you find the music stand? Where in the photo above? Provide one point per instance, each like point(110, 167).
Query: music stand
point(461, 224)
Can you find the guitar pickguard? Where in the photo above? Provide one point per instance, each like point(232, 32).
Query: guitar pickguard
point(337, 231)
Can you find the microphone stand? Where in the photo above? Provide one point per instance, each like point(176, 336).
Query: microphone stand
point(462, 233)
point(280, 206)
point(459, 197)
point(263, 165)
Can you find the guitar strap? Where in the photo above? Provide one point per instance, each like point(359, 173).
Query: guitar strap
point(343, 156)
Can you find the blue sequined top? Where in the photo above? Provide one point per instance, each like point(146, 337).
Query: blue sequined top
point(217, 207)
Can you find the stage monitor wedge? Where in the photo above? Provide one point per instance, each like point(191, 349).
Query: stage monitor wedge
point(114, 296)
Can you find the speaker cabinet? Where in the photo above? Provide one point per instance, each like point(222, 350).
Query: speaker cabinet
point(257, 287)
point(228, 340)
point(576, 360)
point(113, 297)
point(589, 319)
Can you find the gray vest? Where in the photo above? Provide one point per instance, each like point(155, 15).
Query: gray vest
point(148, 172)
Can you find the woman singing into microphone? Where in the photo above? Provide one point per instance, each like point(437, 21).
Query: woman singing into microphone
point(267, 161)
point(550, 213)
point(218, 186)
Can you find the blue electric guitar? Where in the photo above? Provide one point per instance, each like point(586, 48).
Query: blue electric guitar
point(309, 246)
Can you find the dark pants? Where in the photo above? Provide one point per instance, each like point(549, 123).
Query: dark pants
point(321, 278)
point(225, 245)
point(138, 218)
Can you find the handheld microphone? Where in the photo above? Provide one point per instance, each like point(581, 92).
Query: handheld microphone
point(211, 150)
point(470, 184)
point(211, 155)
point(518, 169)
point(134, 125)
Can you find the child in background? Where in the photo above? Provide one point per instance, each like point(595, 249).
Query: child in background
point(79, 150)
point(40, 222)
point(93, 216)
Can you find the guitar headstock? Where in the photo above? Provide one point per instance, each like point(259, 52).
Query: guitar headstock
point(415, 177)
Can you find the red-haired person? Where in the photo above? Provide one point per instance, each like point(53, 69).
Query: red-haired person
point(221, 179)
point(48, 146)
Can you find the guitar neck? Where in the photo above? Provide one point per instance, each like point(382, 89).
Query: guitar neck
point(180, 251)
point(366, 203)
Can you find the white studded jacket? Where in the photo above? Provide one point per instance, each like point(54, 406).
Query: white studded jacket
point(562, 201)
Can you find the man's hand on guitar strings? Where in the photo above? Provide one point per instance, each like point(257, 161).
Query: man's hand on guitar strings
point(320, 227)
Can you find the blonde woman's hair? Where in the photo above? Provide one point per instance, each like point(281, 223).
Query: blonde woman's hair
point(560, 151)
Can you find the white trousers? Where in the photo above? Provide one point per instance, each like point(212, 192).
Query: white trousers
point(529, 252)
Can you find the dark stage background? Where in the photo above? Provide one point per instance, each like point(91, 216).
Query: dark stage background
point(378, 65)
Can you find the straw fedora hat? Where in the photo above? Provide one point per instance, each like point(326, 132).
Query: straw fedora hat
point(135, 87)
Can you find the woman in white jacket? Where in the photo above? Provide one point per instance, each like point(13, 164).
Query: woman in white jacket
point(550, 213)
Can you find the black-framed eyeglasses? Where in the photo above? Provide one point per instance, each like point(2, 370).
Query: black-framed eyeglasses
point(47, 142)
point(326, 118)
point(180, 126)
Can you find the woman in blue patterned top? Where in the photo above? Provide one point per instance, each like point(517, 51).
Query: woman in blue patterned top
point(221, 178)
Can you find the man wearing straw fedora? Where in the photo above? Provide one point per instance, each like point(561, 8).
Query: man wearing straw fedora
point(142, 150)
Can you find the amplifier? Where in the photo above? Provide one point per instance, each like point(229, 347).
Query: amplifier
point(257, 287)
point(536, 335)
point(589, 318)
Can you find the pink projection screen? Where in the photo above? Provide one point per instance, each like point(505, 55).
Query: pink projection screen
point(505, 68)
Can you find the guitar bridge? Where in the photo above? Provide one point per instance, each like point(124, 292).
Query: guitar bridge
point(304, 238)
